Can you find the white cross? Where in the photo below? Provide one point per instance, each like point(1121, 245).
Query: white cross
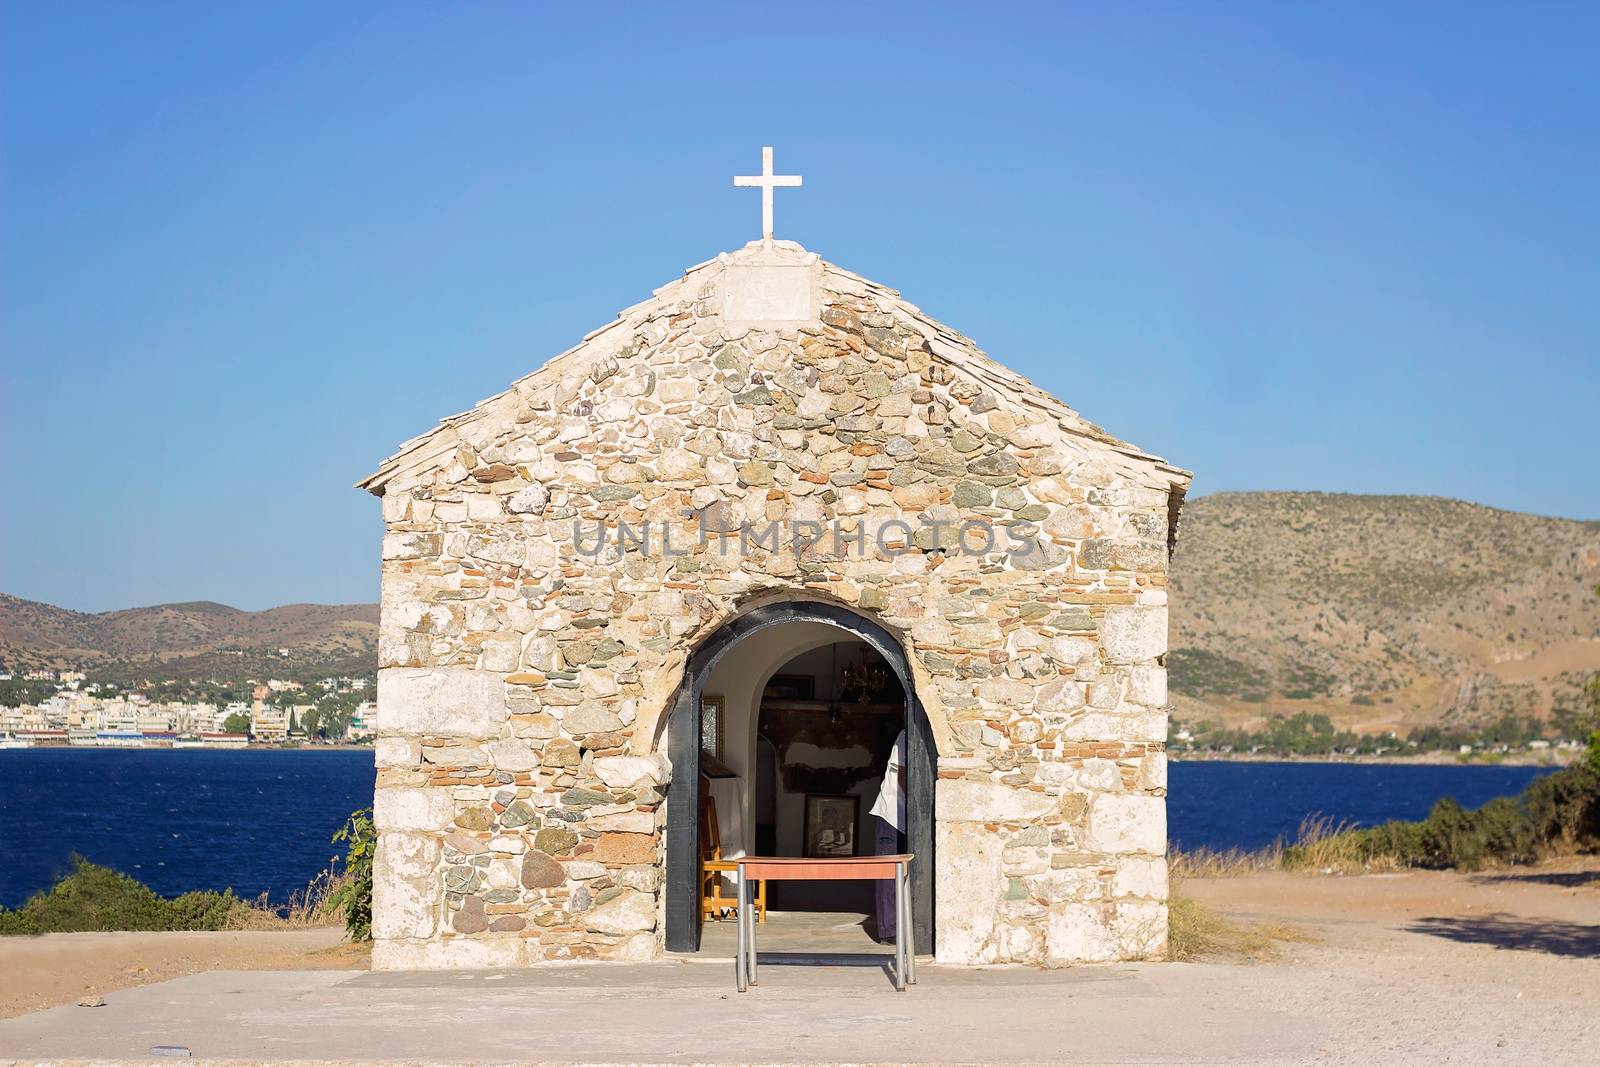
point(766, 181)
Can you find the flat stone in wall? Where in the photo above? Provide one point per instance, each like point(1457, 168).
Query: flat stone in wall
point(969, 889)
point(448, 702)
point(405, 896)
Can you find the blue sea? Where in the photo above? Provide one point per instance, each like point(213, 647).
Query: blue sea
point(261, 821)
point(1224, 805)
point(177, 819)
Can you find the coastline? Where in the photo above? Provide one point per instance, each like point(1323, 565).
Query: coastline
point(1421, 759)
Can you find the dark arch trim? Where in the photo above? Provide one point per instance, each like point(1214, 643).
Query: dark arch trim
point(683, 748)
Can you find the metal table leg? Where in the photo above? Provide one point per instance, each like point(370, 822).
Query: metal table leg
point(899, 927)
point(738, 937)
point(910, 925)
point(747, 912)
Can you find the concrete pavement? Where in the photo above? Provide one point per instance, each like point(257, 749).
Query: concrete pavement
point(1483, 986)
point(674, 1012)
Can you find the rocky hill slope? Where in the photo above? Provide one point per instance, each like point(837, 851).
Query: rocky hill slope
point(1383, 611)
point(192, 640)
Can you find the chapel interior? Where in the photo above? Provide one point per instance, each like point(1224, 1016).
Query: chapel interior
point(799, 726)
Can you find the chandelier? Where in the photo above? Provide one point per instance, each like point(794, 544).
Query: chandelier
point(865, 680)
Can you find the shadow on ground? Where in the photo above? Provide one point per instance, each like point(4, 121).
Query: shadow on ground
point(1549, 936)
point(1565, 879)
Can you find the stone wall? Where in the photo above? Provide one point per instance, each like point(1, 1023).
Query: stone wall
point(523, 682)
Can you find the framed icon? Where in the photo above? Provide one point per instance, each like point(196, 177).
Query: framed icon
point(831, 825)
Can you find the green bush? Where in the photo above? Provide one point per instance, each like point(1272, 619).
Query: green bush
point(353, 890)
point(1559, 812)
point(93, 897)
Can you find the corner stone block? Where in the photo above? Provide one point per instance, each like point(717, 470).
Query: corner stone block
point(455, 701)
point(397, 752)
point(1140, 930)
point(1121, 823)
point(1141, 876)
point(620, 772)
point(1133, 634)
point(1153, 771)
point(410, 545)
point(628, 912)
point(969, 885)
point(405, 897)
point(640, 948)
point(1148, 726)
point(1148, 686)
point(958, 800)
point(1080, 933)
point(401, 808)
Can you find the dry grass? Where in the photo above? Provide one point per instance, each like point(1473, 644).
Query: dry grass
point(1322, 845)
point(1329, 847)
point(1195, 932)
point(312, 906)
point(1210, 863)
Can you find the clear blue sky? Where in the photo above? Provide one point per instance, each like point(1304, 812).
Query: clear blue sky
point(248, 249)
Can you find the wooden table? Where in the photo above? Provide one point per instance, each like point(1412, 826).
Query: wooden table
point(844, 868)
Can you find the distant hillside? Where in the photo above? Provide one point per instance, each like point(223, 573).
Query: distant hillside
point(1383, 611)
point(190, 640)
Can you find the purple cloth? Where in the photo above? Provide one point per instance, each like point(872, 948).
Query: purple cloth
point(886, 841)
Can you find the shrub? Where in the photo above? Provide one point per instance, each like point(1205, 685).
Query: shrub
point(93, 897)
point(353, 889)
point(1556, 813)
point(1565, 807)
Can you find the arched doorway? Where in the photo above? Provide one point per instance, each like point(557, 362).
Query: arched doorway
point(684, 750)
point(829, 716)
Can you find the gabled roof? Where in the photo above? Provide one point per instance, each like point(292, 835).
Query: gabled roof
point(949, 347)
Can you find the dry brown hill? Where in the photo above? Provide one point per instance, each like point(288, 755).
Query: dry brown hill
point(189, 640)
point(1383, 611)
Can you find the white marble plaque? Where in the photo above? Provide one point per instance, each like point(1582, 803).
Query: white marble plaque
point(768, 293)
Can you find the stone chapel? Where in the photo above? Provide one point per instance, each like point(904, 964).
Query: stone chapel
point(710, 561)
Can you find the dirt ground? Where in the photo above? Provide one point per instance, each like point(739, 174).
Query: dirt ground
point(40, 972)
point(1413, 967)
point(1551, 909)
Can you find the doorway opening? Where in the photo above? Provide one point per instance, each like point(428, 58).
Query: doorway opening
point(830, 717)
point(784, 724)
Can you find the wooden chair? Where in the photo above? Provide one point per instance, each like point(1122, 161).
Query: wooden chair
point(713, 903)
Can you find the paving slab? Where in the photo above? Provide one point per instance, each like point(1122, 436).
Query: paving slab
point(1427, 969)
point(670, 1012)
